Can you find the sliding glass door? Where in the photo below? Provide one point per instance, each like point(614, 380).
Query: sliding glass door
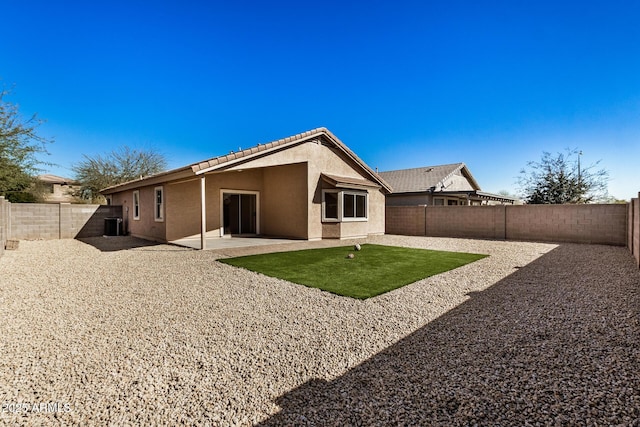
point(239, 213)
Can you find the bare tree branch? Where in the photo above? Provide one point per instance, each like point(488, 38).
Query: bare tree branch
point(121, 165)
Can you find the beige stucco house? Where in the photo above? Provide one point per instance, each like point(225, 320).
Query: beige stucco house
point(307, 186)
point(57, 189)
point(447, 185)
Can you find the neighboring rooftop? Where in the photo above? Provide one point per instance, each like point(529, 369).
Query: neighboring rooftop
point(55, 179)
point(424, 178)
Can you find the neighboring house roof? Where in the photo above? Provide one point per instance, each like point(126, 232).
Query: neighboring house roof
point(425, 178)
point(437, 179)
point(54, 179)
point(233, 158)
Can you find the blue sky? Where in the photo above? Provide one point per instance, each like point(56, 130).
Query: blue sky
point(403, 84)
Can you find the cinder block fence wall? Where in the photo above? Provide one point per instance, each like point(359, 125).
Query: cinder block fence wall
point(633, 230)
point(604, 224)
point(614, 224)
point(4, 223)
point(22, 221)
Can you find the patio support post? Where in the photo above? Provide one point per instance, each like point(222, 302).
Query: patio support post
point(203, 218)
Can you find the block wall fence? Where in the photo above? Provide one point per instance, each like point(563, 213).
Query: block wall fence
point(4, 223)
point(24, 221)
point(611, 224)
point(617, 224)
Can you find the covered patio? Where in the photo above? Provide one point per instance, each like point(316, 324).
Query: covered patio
point(213, 241)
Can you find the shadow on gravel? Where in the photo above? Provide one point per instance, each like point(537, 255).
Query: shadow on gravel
point(117, 243)
point(555, 342)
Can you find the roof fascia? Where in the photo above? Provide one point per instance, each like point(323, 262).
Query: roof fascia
point(151, 180)
point(465, 171)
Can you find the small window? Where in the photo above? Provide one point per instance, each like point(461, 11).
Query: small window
point(108, 198)
point(330, 206)
point(159, 204)
point(136, 204)
point(438, 202)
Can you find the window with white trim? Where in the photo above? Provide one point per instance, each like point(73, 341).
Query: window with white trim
point(330, 205)
point(344, 205)
point(158, 194)
point(136, 204)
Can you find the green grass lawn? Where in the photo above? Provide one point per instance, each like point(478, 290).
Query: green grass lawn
point(373, 271)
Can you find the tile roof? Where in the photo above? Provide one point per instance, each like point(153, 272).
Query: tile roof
point(220, 162)
point(423, 178)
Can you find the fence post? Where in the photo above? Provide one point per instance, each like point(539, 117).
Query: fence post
point(3, 225)
point(636, 229)
point(9, 226)
point(59, 220)
point(425, 220)
point(630, 227)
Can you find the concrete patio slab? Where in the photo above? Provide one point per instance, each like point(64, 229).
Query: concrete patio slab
point(213, 243)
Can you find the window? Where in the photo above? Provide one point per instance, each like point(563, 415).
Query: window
point(109, 200)
point(159, 204)
point(355, 206)
point(136, 204)
point(344, 206)
point(330, 203)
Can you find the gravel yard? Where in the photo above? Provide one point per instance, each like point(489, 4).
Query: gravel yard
point(535, 334)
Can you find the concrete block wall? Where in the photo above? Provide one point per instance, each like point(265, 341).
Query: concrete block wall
point(484, 222)
point(34, 221)
point(58, 221)
point(85, 220)
point(633, 232)
point(405, 220)
point(599, 224)
point(4, 223)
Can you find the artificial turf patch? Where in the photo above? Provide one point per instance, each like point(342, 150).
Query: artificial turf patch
point(372, 271)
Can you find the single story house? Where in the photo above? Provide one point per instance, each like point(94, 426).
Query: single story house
point(438, 185)
point(307, 186)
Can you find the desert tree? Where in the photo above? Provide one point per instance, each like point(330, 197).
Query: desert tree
point(20, 145)
point(560, 178)
point(120, 165)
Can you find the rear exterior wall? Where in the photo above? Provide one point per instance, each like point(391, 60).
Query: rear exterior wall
point(289, 184)
point(146, 227)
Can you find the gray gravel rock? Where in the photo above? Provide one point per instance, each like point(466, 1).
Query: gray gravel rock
point(121, 332)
